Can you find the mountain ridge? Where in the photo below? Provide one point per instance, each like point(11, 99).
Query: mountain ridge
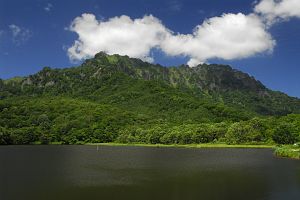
point(112, 98)
point(218, 82)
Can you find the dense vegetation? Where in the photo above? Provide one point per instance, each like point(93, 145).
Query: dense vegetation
point(289, 151)
point(119, 99)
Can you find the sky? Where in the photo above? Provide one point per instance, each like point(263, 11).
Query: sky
point(259, 37)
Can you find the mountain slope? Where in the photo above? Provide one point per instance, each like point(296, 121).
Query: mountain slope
point(98, 77)
point(117, 98)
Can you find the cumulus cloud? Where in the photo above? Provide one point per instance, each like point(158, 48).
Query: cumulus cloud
point(19, 35)
point(118, 35)
point(230, 36)
point(48, 7)
point(274, 10)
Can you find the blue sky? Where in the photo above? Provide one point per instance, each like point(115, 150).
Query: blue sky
point(36, 33)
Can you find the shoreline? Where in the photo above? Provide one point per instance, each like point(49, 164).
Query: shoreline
point(208, 145)
point(285, 151)
point(288, 151)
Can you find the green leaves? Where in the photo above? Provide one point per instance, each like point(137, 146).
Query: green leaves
point(117, 98)
point(285, 134)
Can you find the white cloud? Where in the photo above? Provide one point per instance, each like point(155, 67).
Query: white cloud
point(231, 36)
point(274, 10)
point(118, 35)
point(19, 35)
point(15, 29)
point(48, 7)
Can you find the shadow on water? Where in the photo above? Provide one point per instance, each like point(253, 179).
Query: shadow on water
point(82, 172)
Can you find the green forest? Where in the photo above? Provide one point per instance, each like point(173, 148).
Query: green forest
point(120, 99)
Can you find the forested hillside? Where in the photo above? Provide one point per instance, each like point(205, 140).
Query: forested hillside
point(117, 98)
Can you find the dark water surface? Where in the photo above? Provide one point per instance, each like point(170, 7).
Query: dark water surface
point(82, 172)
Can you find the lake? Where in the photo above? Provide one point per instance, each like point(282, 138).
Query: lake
point(122, 172)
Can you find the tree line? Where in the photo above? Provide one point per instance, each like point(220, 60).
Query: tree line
point(72, 121)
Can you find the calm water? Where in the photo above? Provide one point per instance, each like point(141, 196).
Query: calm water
point(82, 172)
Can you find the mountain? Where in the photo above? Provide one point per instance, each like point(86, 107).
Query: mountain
point(109, 93)
point(216, 83)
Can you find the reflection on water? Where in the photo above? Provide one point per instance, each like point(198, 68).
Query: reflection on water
point(82, 172)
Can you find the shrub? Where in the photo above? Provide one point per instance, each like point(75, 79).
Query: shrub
point(284, 134)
